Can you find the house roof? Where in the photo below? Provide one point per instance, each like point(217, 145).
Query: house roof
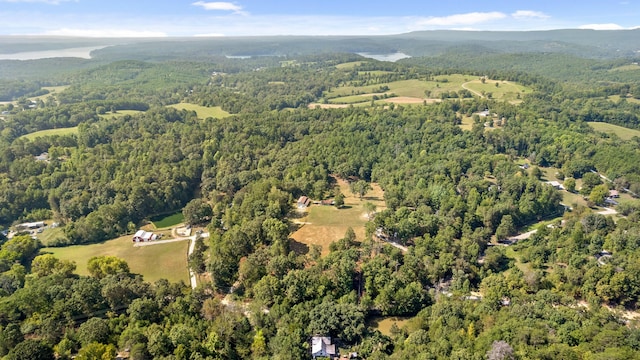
point(320, 343)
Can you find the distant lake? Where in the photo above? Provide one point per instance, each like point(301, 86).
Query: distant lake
point(80, 52)
point(393, 57)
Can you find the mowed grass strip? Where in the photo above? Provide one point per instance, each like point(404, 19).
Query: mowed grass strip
point(51, 132)
point(165, 221)
point(621, 132)
point(323, 225)
point(154, 262)
point(203, 112)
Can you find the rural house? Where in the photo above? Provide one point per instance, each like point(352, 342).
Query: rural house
point(303, 202)
point(142, 236)
point(321, 347)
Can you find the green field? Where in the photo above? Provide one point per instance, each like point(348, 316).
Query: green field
point(119, 113)
point(50, 234)
point(168, 261)
point(421, 89)
point(203, 112)
point(51, 132)
point(165, 221)
point(621, 132)
point(506, 90)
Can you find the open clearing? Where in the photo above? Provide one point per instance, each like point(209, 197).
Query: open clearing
point(384, 324)
point(415, 91)
point(505, 90)
point(621, 132)
point(323, 225)
point(119, 113)
point(203, 112)
point(167, 261)
point(51, 132)
point(165, 221)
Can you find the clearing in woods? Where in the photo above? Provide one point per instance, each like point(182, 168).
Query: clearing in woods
point(51, 132)
point(621, 132)
point(203, 112)
point(166, 261)
point(323, 224)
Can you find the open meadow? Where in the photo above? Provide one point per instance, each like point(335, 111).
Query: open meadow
point(168, 261)
point(415, 91)
point(51, 132)
point(119, 113)
point(203, 112)
point(621, 132)
point(323, 225)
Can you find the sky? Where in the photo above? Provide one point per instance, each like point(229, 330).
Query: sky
point(161, 18)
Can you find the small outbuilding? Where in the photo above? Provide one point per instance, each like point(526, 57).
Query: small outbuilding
point(303, 202)
point(614, 194)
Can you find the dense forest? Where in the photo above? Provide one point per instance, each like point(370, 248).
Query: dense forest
point(440, 255)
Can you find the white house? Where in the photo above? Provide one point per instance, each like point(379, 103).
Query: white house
point(321, 346)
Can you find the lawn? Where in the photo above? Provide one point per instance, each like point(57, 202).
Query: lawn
point(323, 225)
point(165, 221)
point(467, 123)
point(203, 112)
point(50, 234)
point(621, 132)
point(168, 261)
point(51, 132)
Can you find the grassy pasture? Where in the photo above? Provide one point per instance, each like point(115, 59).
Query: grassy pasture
point(353, 99)
point(506, 90)
point(418, 89)
point(467, 123)
point(168, 261)
point(203, 112)
point(51, 132)
point(621, 132)
point(375, 72)
point(165, 221)
point(323, 225)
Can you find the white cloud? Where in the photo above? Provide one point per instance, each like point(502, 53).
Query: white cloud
point(529, 14)
point(610, 26)
point(463, 19)
point(117, 33)
point(220, 6)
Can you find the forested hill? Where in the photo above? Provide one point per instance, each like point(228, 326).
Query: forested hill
point(481, 213)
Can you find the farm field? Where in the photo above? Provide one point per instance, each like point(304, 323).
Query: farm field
point(323, 225)
point(621, 132)
point(203, 112)
point(168, 261)
point(617, 98)
point(51, 132)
